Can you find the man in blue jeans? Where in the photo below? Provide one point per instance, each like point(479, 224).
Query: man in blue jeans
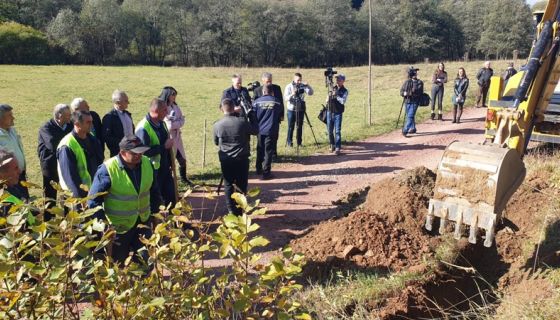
point(411, 91)
point(335, 109)
point(294, 94)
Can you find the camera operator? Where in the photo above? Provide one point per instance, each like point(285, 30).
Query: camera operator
point(258, 92)
point(231, 134)
point(268, 112)
point(335, 102)
point(295, 97)
point(411, 91)
point(238, 95)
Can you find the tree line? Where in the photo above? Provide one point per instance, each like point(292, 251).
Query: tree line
point(307, 33)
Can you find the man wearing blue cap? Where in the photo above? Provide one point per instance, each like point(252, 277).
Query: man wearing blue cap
point(335, 103)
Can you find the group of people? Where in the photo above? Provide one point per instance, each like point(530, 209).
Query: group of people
point(137, 178)
point(413, 88)
point(261, 115)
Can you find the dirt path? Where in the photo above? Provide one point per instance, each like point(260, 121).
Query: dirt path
point(302, 194)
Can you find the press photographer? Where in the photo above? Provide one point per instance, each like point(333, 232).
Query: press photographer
point(295, 98)
point(258, 92)
point(336, 98)
point(238, 95)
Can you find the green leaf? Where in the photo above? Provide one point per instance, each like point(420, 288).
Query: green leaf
point(4, 242)
point(254, 192)
point(240, 199)
point(259, 242)
point(303, 316)
point(156, 302)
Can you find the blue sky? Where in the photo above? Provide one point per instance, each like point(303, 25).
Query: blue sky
point(531, 2)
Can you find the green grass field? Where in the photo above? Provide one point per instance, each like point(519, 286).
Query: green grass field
point(34, 90)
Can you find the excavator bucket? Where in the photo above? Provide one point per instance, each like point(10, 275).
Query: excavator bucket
point(473, 185)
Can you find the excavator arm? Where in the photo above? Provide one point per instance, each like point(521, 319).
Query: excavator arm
point(475, 181)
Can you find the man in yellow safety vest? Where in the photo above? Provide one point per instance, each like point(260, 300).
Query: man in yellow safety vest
point(132, 195)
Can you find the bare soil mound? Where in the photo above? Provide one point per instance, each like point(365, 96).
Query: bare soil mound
point(385, 234)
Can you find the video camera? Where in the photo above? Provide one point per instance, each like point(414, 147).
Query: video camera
point(330, 72)
point(253, 85)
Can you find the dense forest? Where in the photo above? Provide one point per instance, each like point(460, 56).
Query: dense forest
point(307, 33)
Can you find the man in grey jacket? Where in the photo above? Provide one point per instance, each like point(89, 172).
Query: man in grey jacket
point(231, 134)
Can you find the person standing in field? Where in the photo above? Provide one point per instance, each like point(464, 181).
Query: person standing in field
point(510, 72)
point(132, 197)
point(268, 112)
point(483, 78)
point(97, 128)
point(79, 154)
point(50, 135)
point(175, 120)
point(439, 78)
point(267, 80)
point(460, 94)
point(294, 94)
point(411, 91)
point(335, 110)
point(238, 94)
point(11, 141)
point(117, 123)
point(231, 135)
point(153, 132)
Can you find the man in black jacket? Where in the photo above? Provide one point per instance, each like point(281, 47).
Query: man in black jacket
point(237, 94)
point(231, 134)
point(483, 80)
point(267, 80)
point(117, 123)
point(97, 130)
point(268, 111)
point(50, 135)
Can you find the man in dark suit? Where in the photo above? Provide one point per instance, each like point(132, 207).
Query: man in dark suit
point(117, 123)
point(277, 93)
point(238, 94)
point(80, 104)
point(50, 135)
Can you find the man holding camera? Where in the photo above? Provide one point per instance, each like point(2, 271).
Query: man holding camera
point(238, 94)
point(258, 92)
point(411, 91)
point(335, 109)
point(295, 95)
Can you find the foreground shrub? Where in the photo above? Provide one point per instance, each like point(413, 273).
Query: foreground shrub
point(58, 269)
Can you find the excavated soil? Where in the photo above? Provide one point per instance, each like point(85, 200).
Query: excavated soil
point(385, 234)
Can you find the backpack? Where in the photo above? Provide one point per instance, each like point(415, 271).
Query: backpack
point(424, 100)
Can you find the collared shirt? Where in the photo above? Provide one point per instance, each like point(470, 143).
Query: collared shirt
point(11, 140)
point(102, 183)
point(288, 94)
point(126, 121)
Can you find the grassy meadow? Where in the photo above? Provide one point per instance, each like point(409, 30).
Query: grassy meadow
point(33, 91)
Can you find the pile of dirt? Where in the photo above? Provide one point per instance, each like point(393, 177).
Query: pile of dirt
point(387, 233)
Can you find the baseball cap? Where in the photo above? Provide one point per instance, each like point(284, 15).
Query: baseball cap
point(341, 77)
point(132, 143)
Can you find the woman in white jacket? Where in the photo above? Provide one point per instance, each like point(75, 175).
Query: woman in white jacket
point(175, 121)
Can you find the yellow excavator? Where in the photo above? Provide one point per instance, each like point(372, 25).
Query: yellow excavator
point(475, 181)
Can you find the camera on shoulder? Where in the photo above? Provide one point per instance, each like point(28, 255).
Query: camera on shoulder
point(253, 85)
point(330, 72)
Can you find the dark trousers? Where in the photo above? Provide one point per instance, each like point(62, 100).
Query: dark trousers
point(236, 175)
point(23, 191)
point(265, 150)
point(481, 95)
point(437, 94)
point(458, 111)
point(128, 242)
point(166, 186)
point(295, 118)
point(49, 191)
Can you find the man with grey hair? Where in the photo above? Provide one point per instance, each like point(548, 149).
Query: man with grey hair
point(483, 80)
point(11, 141)
point(238, 94)
point(97, 129)
point(117, 123)
point(50, 135)
point(267, 80)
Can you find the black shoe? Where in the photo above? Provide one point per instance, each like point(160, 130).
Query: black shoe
point(259, 171)
point(433, 116)
point(332, 148)
point(267, 176)
point(454, 121)
point(412, 131)
point(404, 135)
point(440, 117)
